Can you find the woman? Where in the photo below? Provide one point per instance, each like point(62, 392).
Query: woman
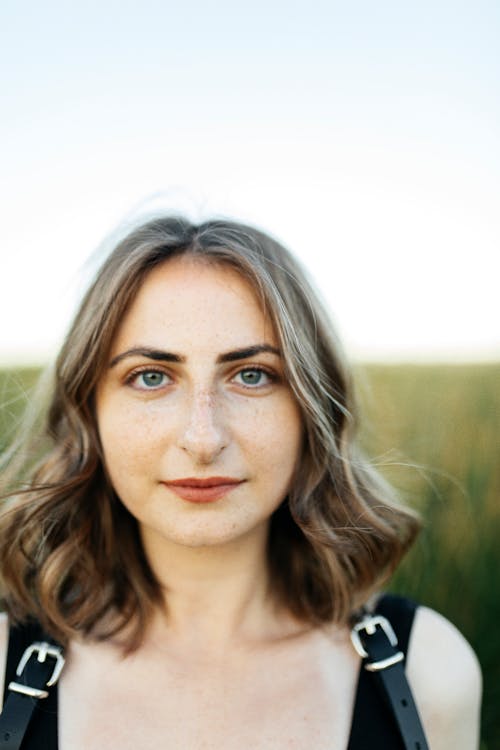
point(199, 531)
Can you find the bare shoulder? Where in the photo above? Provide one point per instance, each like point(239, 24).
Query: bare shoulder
point(4, 640)
point(446, 679)
point(4, 635)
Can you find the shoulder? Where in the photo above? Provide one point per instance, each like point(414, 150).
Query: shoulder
point(4, 642)
point(446, 679)
point(4, 625)
point(4, 637)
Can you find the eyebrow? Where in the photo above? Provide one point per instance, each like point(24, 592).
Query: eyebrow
point(249, 351)
point(158, 355)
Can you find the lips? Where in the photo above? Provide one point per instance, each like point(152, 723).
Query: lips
point(208, 490)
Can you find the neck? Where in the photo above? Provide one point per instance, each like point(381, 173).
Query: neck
point(215, 595)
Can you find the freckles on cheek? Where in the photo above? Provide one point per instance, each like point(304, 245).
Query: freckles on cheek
point(126, 439)
point(275, 435)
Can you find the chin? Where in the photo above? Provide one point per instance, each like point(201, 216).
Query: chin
point(205, 532)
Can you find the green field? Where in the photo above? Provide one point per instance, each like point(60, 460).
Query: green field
point(433, 430)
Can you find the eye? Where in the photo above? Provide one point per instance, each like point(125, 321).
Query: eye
point(253, 377)
point(148, 380)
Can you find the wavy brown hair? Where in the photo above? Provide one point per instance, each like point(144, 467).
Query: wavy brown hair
point(70, 552)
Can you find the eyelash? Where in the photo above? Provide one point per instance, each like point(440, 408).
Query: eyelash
point(272, 377)
point(129, 380)
point(256, 368)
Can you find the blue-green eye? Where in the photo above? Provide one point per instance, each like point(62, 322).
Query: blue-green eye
point(253, 377)
point(149, 380)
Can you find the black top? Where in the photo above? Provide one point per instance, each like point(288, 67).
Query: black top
point(373, 725)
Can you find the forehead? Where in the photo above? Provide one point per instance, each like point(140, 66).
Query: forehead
point(186, 301)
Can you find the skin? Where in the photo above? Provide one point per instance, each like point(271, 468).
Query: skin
point(201, 417)
point(226, 668)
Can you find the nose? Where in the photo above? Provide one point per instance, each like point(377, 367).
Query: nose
point(203, 435)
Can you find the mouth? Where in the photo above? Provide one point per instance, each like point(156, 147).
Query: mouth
point(208, 490)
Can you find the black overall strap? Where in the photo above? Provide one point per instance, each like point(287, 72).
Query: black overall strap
point(28, 682)
point(377, 643)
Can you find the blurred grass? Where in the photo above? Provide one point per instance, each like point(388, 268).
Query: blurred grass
point(434, 429)
point(16, 388)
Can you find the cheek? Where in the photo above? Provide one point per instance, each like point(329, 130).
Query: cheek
point(275, 438)
point(128, 442)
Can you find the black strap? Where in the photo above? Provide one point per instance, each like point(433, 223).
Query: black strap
point(390, 681)
point(38, 672)
point(385, 664)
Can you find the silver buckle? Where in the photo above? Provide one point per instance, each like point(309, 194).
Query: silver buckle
point(369, 625)
point(42, 649)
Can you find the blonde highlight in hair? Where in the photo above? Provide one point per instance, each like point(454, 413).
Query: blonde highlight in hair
point(70, 552)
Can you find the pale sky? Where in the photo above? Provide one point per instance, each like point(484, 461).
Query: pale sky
point(364, 135)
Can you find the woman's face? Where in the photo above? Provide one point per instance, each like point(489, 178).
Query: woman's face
point(200, 431)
